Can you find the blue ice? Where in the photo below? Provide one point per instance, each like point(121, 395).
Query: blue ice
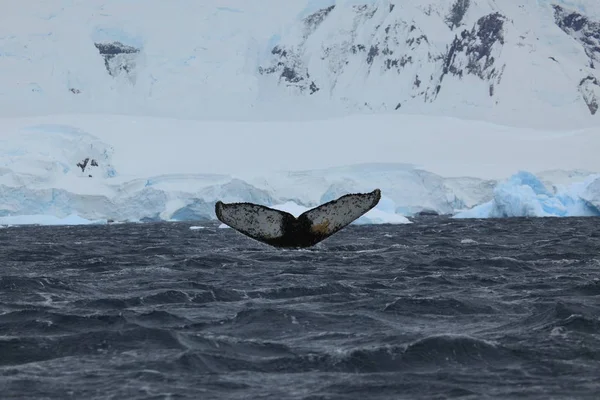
point(524, 195)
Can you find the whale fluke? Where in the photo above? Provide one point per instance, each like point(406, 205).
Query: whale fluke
point(282, 229)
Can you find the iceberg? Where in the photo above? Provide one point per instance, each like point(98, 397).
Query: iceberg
point(377, 217)
point(524, 195)
point(590, 193)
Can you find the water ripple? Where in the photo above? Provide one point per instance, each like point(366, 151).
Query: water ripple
point(437, 309)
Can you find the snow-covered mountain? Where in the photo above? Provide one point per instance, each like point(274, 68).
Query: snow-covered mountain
point(529, 63)
point(181, 58)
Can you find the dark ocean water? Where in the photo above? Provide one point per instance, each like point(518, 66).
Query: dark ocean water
point(437, 309)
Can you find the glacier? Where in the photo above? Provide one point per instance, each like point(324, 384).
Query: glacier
point(72, 169)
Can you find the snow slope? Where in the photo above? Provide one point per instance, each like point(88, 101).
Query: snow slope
point(142, 169)
point(176, 58)
point(445, 146)
point(530, 63)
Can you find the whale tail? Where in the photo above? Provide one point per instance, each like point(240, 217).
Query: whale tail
point(282, 229)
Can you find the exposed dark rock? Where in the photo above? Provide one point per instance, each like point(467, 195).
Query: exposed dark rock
point(582, 29)
point(398, 63)
point(418, 40)
point(118, 57)
point(291, 75)
point(313, 88)
point(366, 10)
point(355, 48)
point(391, 40)
point(471, 53)
point(279, 51)
point(83, 164)
point(373, 52)
point(313, 21)
point(87, 164)
point(115, 48)
point(289, 63)
point(399, 49)
point(395, 45)
point(290, 69)
point(417, 82)
point(590, 90)
point(457, 13)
